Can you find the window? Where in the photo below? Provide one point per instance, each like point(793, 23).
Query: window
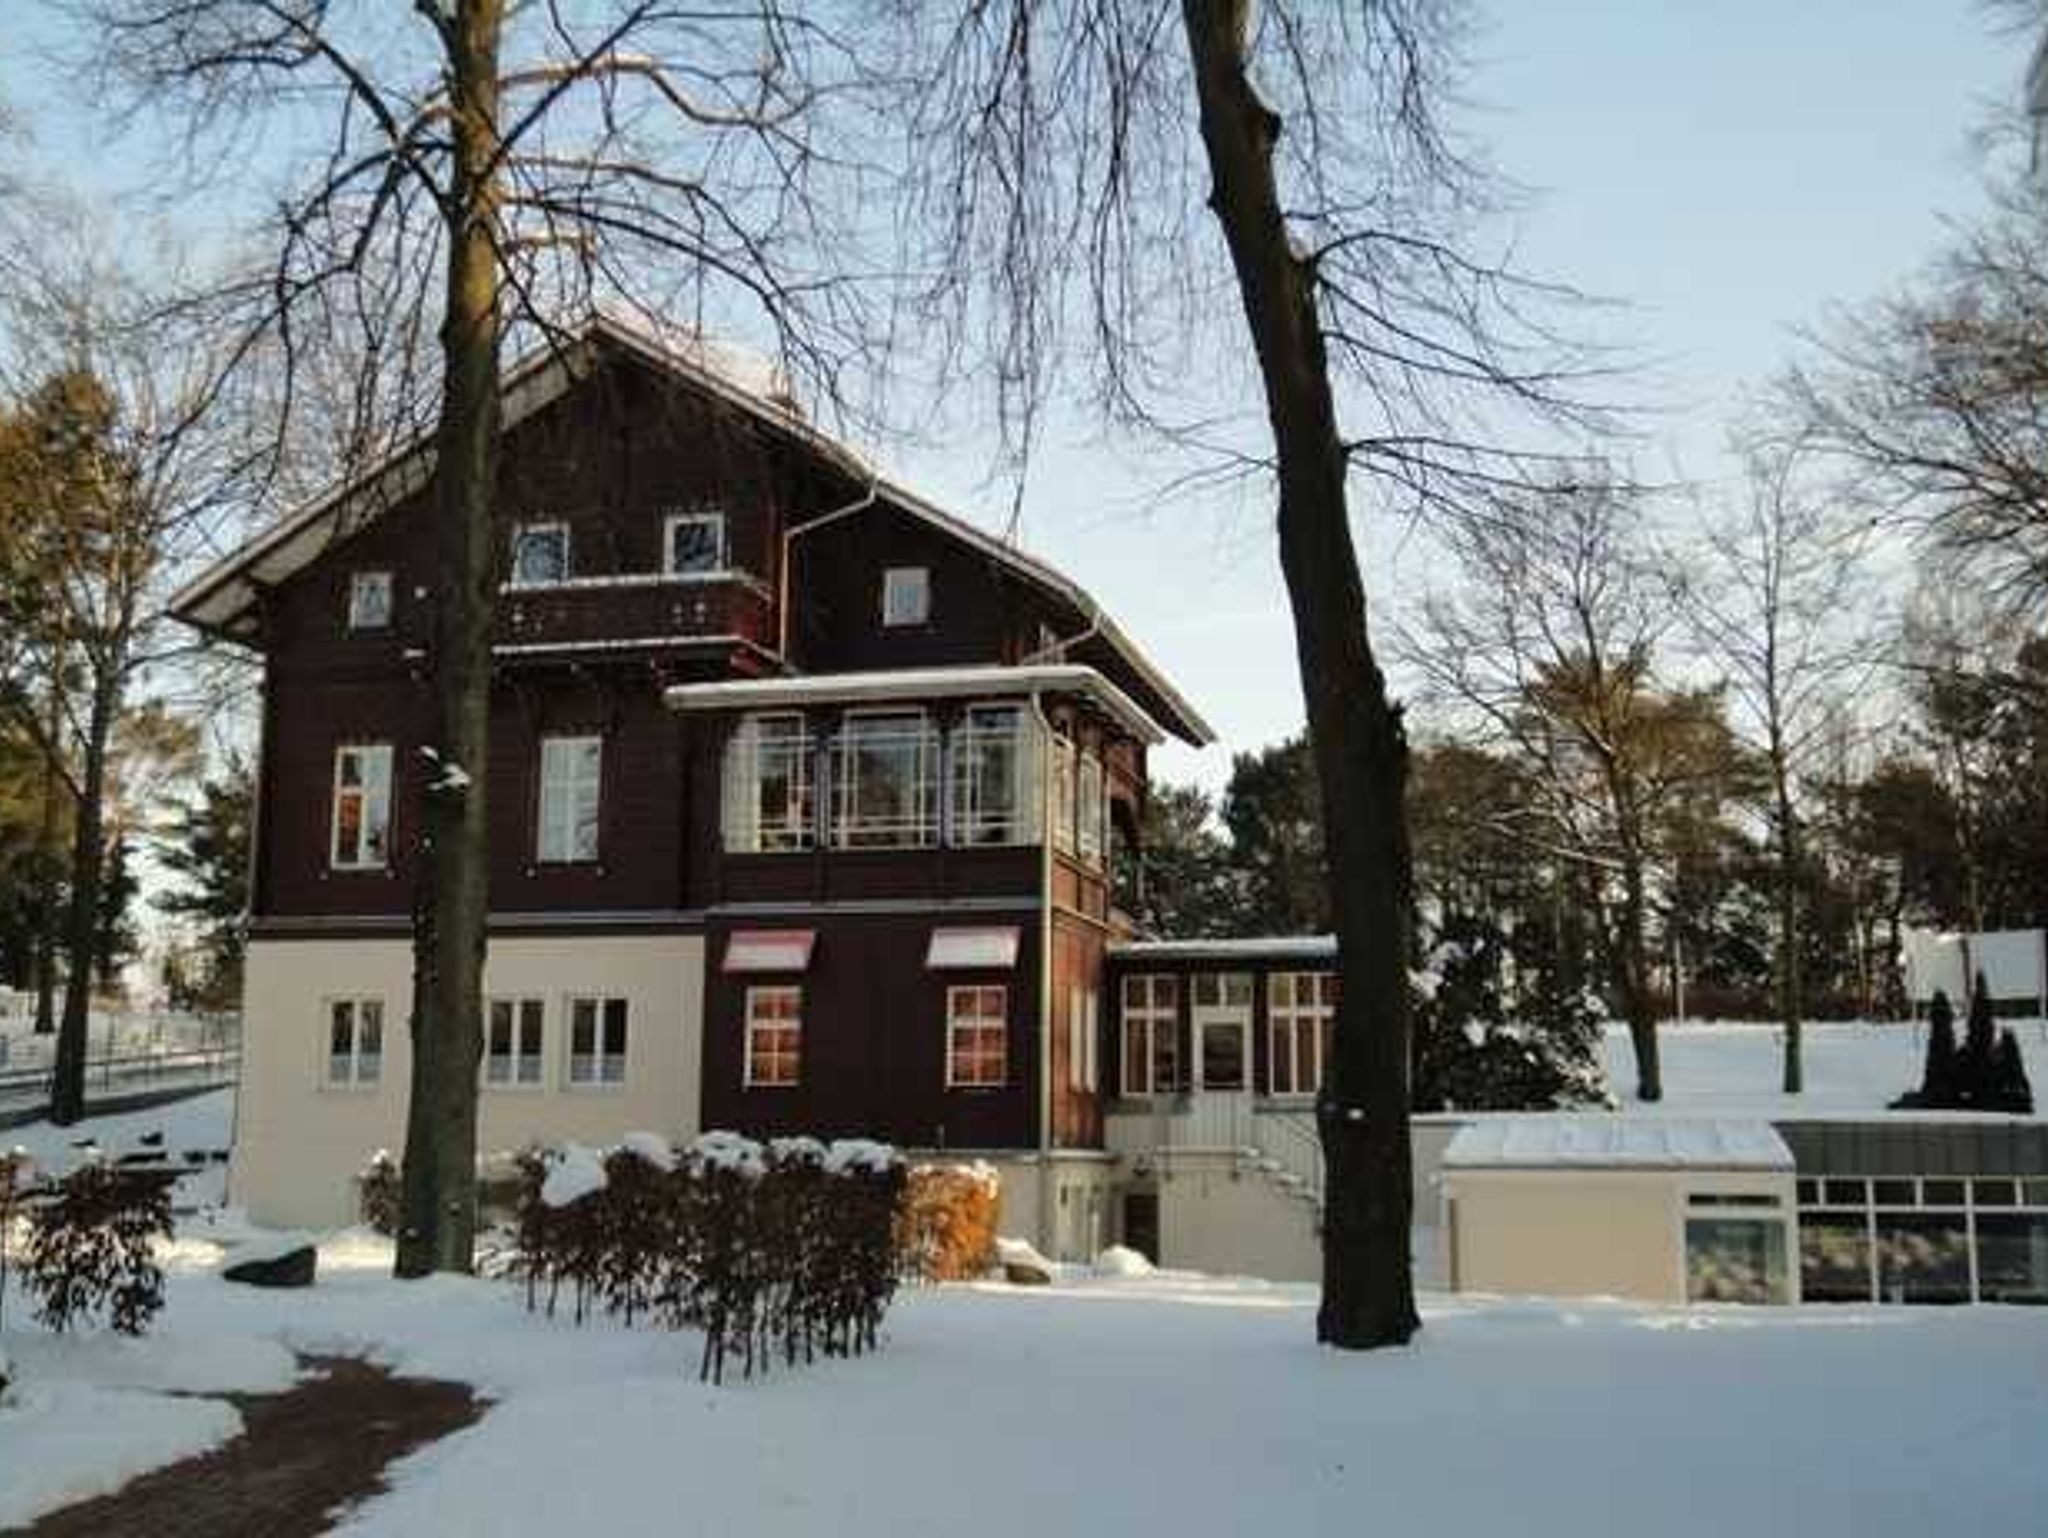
point(1735, 1260)
point(571, 772)
point(775, 1037)
point(884, 786)
point(1091, 810)
point(540, 554)
point(995, 781)
point(906, 595)
point(512, 1049)
point(1301, 1012)
point(361, 833)
point(597, 1042)
point(977, 1037)
point(1077, 1038)
point(355, 1042)
point(1091, 1068)
point(369, 600)
point(1151, 1035)
point(1063, 795)
point(695, 542)
point(769, 805)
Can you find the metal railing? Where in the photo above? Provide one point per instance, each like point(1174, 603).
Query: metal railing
point(128, 1071)
point(1251, 1127)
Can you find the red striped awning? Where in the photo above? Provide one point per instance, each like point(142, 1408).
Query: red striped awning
point(769, 950)
point(983, 947)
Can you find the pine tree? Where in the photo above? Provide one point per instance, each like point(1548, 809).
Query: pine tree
point(1938, 1075)
point(1980, 1044)
point(2010, 1089)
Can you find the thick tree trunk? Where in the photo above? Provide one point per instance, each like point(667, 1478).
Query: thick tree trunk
point(81, 918)
point(438, 1221)
point(1355, 731)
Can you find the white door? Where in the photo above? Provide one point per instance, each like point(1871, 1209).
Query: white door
point(1220, 1012)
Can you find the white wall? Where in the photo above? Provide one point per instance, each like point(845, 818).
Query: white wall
point(298, 1142)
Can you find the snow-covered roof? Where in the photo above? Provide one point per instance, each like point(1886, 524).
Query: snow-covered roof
point(220, 599)
point(1248, 948)
point(910, 684)
point(1541, 1141)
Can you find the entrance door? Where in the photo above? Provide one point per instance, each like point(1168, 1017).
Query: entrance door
point(1220, 1011)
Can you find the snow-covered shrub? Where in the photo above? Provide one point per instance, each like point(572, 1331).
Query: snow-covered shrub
point(946, 1231)
point(14, 1172)
point(91, 1248)
point(784, 1249)
point(378, 1193)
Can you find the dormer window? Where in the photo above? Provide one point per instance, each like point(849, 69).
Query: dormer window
point(695, 542)
point(906, 595)
point(540, 554)
point(369, 600)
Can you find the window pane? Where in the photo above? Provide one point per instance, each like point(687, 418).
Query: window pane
point(1993, 1193)
point(1846, 1193)
point(1734, 1260)
point(540, 554)
point(1834, 1258)
point(1942, 1193)
point(1892, 1193)
point(885, 795)
point(906, 595)
point(696, 543)
point(1923, 1259)
point(2012, 1257)
point(1223, 1065)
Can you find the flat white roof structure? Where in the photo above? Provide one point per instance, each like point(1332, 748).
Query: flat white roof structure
point(1254, 948)
point(1537, 1142)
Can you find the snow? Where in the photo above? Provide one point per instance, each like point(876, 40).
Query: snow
point(650, 1148)
point(199, 1125)
point(1120, 1261)
point(574, 1172)
point(1733, 1069)
point(1617, 1142)
point(728, 1151)
point(854, 1153)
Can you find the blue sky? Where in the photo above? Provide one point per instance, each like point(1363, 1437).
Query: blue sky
point(1724, 172)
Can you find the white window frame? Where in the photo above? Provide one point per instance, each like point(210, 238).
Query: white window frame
point(1151, 1005)
point(797, 828)
point(604, 1070)
point(1307, 1015)
point(1077, 1051)
point(544, 526)
point(361, 616)
point(560, 801)
point(968, 823)
point(906, 597)
point(919, 828)
point(1064, 772)
point(976, 1019)
point(761, 993)
point(354, 1078)
point(372, 795)
point(720, 562)
point(1091, 803)
point(1091, 1038)
point(525, 1065)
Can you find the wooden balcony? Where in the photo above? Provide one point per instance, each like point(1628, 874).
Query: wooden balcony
point(635, 612)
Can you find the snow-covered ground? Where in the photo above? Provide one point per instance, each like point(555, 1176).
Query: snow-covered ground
point(1152, 1403)
point(1722, 1068)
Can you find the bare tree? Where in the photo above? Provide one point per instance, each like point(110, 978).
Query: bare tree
point(1768, 594)
point(1930, 402)
point(478, 168)
point(1548, 652)
point(112, 486)
point(1068, 150)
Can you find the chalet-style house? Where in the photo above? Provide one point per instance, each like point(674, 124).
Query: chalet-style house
point(815, 808)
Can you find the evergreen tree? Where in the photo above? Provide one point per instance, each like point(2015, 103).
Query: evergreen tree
point(1980, 1045)
point(1938, 1070)
point(2010, 1090)
point(208, 847)
point(1273, 810)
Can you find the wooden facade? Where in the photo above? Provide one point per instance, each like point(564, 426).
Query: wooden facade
point(612, 453)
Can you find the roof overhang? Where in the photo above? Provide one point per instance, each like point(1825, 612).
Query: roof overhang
point(1247, 949)
point(911, 685)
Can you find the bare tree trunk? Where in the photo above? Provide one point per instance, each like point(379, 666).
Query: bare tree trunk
point(49, 921)
point(1355, 731)
point(438, 1226)
point(1789, 991)
point(67, 1087)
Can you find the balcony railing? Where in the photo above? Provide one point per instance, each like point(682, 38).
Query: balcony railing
point(633, 610)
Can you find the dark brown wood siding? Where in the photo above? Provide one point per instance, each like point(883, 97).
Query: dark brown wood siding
point(874, 1038)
